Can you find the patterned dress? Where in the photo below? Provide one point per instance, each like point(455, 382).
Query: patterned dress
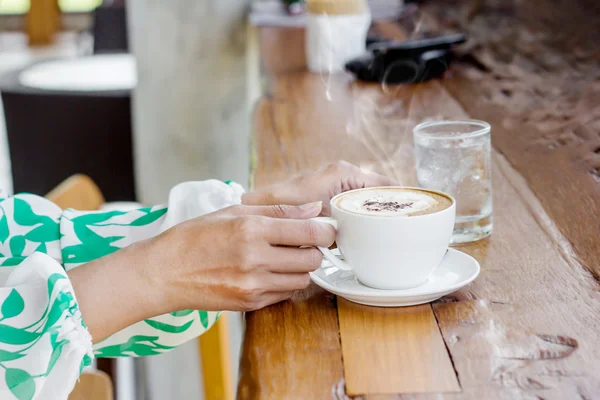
point(44, 343)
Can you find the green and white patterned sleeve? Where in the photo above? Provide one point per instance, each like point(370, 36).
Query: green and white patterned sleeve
point(44, 343)
point(87, 236)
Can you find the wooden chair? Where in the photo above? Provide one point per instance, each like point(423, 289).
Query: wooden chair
point(93, 385)
point(43, 21)
point(215, 355)
point(78, 192)
point(81, 193)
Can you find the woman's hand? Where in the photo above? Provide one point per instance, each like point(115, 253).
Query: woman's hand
point(240, 258)
point(319, 185)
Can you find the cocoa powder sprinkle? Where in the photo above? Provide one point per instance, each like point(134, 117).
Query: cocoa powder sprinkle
point(376, 206)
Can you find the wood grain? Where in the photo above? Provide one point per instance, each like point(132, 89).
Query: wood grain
point(527, 327)
point(532, 71)
point(291, 350)
point(403, 343)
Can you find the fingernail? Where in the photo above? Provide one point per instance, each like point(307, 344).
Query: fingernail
point(317, 205)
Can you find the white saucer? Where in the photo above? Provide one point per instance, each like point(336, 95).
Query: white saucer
point(456, 270)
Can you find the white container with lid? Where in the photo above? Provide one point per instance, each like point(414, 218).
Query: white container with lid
point(336, 31)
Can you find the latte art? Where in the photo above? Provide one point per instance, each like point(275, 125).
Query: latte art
point(393, 202)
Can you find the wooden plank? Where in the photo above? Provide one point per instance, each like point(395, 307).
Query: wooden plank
point(524, 299)
point(215, 355)
point(403, 343)
point(514, 332)
point(542, 97)
point(277, 129)
point(286, 343)
point(524, 329)
point(291, 350)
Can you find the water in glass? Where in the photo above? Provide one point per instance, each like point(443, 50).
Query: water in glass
point(455, 157)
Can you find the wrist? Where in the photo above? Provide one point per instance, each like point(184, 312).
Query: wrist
point(114, 291)
point(150, 266)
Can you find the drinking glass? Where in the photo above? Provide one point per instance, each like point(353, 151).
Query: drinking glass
point(455, 157)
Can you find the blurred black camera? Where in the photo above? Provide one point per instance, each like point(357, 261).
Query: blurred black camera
point(408, 61)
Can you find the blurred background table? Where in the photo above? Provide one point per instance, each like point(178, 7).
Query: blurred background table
point(76, 128)
point(528, 326)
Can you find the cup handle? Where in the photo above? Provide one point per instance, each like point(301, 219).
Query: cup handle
point(326, 252)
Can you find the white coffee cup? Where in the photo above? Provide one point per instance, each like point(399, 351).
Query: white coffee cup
point(390, 252)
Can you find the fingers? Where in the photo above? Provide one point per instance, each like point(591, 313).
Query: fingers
point(280, 287)
point(271, 288)
point(305, 211)
point(283, 225)
point(290, 232)
point(292, 260)
point(273, 298)
point(288, 282)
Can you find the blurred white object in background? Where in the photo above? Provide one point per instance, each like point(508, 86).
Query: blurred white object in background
point(94, 73)
point(335, 33)
point(16, 54)
point(273, 13)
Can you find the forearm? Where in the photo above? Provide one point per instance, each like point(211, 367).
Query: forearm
point(118, 290)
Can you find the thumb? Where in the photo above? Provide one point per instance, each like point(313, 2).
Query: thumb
point(304, 211)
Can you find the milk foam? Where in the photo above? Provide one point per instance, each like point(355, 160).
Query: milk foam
point(387, 202)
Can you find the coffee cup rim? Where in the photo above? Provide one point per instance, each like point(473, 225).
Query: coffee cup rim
point(332, 202)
